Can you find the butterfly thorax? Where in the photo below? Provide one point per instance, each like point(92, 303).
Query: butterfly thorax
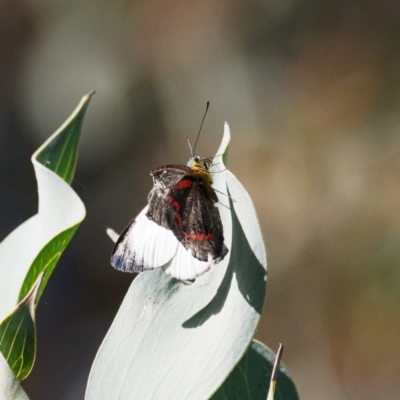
point(199, 171)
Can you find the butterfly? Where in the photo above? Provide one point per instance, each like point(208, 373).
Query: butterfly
point(180, 230)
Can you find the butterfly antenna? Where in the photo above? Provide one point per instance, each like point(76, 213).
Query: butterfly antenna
point(194, 148)
point(190, 147)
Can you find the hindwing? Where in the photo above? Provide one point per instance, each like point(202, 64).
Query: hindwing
point(143, 245)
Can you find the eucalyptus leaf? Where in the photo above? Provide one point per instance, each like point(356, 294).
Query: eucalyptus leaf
point(59, 153)
point(18, 334)
point(36, 245)
point(10, 388)
point(171, 340)
point(250, 380)
point(112, 234)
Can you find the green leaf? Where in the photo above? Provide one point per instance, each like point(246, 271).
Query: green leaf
point(46, 261)
point(171, 340)
point(18, 334)
point(60, 152)
point(10, 388)
point(36, 245)
point(250, 379)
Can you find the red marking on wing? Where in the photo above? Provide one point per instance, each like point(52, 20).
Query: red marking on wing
point(191, 236)
point(174, 203)
point(183, 184)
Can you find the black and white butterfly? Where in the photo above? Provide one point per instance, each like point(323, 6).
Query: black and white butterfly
point(181, 223)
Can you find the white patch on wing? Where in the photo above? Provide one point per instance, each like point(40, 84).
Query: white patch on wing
point(185, 267)
point(146, 245)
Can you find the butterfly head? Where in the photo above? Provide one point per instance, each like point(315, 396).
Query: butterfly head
point(197, 162)
point(199, 169)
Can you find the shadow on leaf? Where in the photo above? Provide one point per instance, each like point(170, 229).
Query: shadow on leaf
point(249, 272)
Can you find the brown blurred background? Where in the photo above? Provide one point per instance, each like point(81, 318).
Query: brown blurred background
point(311, 90)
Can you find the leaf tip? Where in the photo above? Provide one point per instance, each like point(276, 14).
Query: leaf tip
point(277, 362)
point(223, 148)
point(112, 234)
point(30, 298)
point(90, 94)
point(227, 133)
point(274, 374)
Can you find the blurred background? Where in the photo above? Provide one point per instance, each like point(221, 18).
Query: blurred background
point(311, 90)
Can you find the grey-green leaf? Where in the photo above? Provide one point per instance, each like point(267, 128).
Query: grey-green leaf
point(171, 340)
point(10, 388)
point(36, 245)
point(250, 379)
point(18, 334)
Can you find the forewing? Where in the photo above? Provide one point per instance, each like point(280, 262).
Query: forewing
point(161, 209)
point(202, 230)
point(166, 177)
point(200, 233)
point(143, 245)
point(185, 206)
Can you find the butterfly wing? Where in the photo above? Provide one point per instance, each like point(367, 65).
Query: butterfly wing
point(185, 206)
point(143, 245)
point(180, 230)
